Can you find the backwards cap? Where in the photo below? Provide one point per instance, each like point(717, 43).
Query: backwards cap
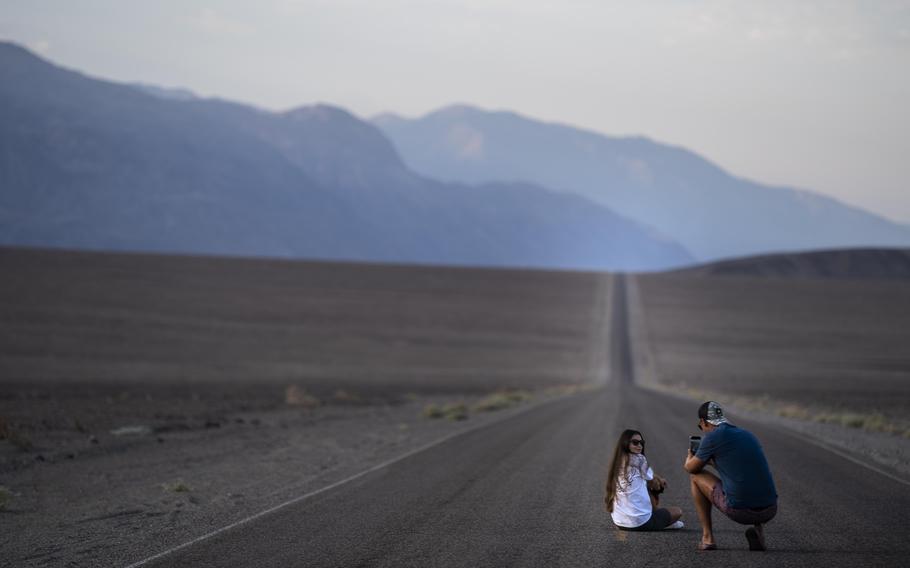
point(712, 413)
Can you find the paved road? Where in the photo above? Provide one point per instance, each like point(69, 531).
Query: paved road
point(528, 492)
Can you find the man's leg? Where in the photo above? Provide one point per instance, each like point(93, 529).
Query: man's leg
point(702, 485)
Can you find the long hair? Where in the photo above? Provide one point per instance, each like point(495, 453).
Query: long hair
point(619, 465)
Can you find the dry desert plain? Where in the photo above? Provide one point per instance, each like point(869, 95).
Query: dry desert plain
point(145, 399)
point(835, 350)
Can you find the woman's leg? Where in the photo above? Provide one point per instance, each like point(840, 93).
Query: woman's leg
point(660, 519)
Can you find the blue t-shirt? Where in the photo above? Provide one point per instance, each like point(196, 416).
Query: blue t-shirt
point(742, 466)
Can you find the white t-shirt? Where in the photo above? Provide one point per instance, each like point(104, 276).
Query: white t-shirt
point(632, 505)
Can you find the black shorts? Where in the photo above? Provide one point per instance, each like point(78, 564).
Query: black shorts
point(660, 519)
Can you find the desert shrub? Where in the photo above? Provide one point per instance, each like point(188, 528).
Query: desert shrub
point(297, 396)
point(873, 422)
point(502, 399)
point(852, 420)
point(793, 411)
point(177, 487)
point(878, 423)
point(455, 411)
point(432, 411)
point(346, 397)
point(14, 436)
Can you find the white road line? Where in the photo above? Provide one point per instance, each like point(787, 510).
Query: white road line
point(833, 449)
point(339, 483)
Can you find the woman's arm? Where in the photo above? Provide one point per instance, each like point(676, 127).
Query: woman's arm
point(641, 464)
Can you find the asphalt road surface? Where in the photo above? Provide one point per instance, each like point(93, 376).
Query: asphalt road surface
point(528, 491)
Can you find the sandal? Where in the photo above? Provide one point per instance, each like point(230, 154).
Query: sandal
point(707, 546)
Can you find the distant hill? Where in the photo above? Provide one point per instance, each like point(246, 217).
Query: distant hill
point(166, 92)
point(712, 213)
point(849, 263)
point(97, 165)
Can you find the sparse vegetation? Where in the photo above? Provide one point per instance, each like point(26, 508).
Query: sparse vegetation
point(177, 487)
point(451, 411)
point(6, 496)
point(874, 422)
point(14, 436)
point(502, 399)
point(346, 397)
point(433, 410)
point(455, 411)
point(794, 411)
point(298, 396)
point(869, 421)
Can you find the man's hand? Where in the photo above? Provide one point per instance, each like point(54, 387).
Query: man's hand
point(693, 464)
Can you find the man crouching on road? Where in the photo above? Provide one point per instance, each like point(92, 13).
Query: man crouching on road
point(744, 492)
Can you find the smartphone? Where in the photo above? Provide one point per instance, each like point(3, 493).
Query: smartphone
point(694, 442)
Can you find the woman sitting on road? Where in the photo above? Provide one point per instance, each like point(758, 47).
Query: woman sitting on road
point(632, 489)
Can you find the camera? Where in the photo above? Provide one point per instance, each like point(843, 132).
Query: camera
point(694, 442)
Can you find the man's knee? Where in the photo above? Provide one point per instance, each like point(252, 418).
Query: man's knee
point(704, 482)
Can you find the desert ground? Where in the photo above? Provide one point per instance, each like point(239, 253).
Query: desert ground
point(145, 400)
point(826, 349)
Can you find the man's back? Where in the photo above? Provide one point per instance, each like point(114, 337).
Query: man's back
point(741, 463)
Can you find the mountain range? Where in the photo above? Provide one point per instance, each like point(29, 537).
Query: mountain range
point(680, 194)
point(92, 164)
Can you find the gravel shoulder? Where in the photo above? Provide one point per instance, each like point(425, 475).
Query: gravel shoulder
point(130, 495)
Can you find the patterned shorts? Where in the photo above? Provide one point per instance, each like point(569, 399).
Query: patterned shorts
point(741, 516)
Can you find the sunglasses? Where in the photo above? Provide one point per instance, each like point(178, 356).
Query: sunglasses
point(636, 442)
point(699, 426)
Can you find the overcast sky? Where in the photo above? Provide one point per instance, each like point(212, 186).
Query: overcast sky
point(809, 94)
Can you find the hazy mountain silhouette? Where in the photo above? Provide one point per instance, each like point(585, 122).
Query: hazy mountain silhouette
point(99, 165)
point(176, 93)
point(842, 263)
point(712, 213)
